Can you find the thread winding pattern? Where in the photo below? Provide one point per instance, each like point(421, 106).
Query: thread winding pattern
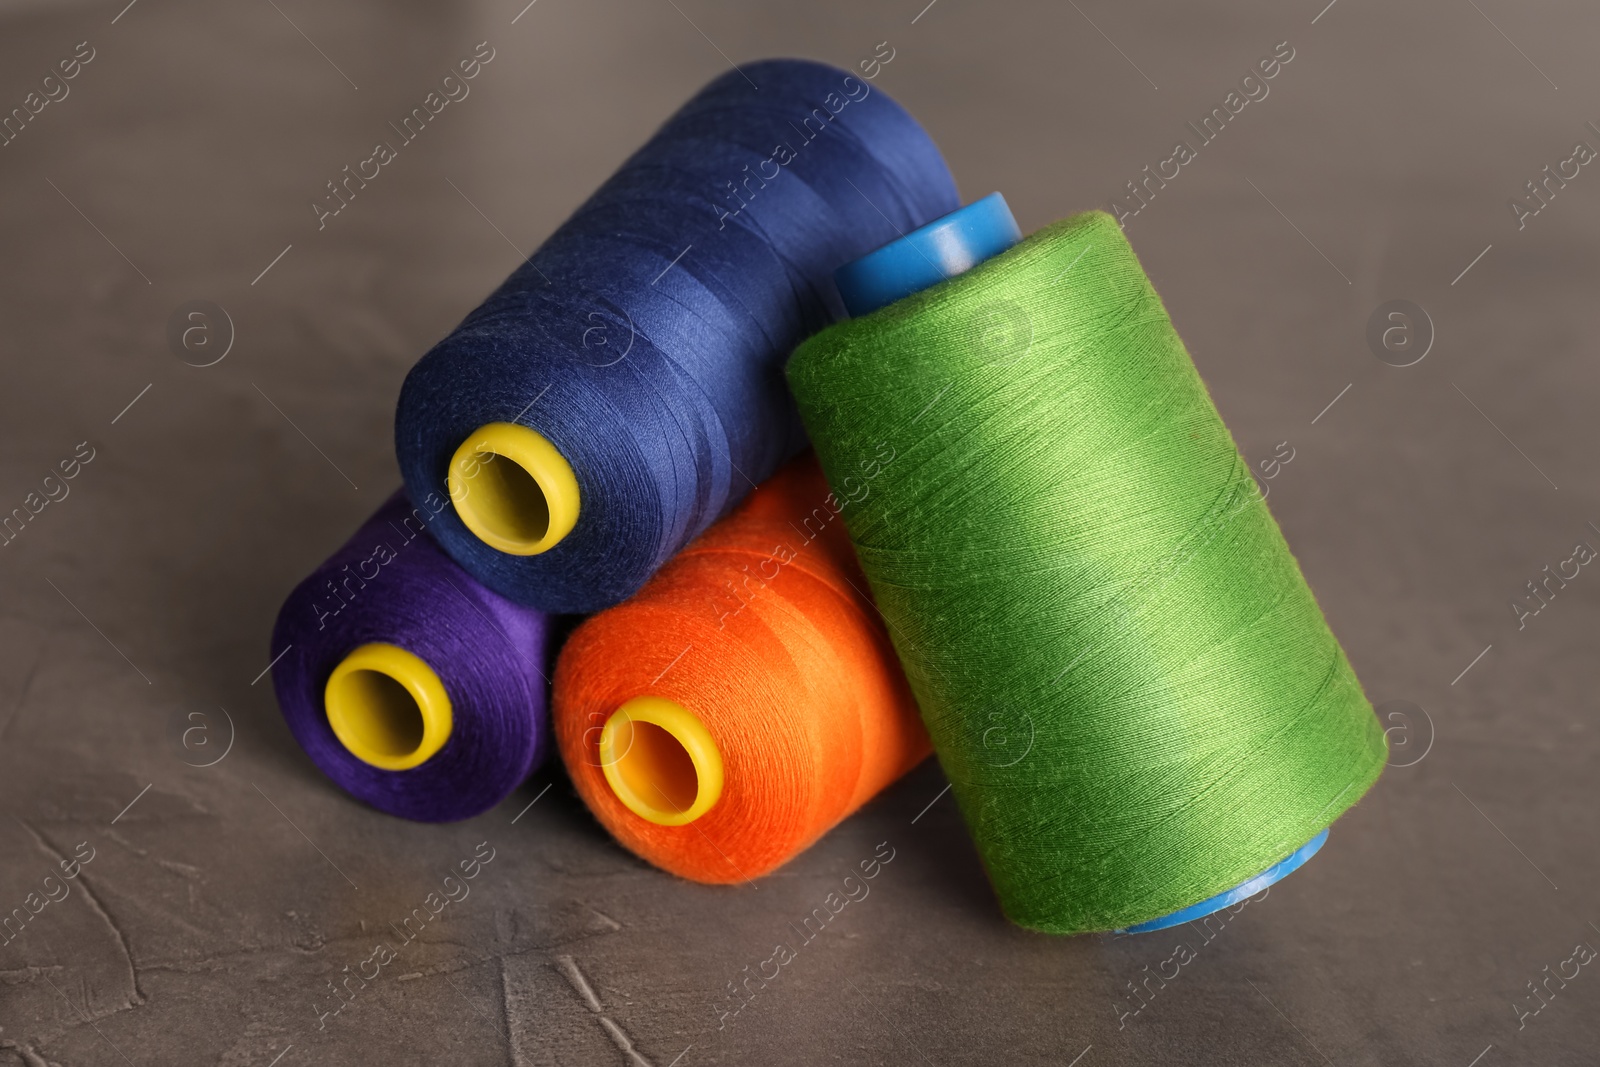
point(391, 584)
point(763, 629)
point(645, 339)
point(1124, 673)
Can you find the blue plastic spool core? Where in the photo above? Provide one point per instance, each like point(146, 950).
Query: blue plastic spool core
point(925, 257)
point(1234, 895)
point(928, 255)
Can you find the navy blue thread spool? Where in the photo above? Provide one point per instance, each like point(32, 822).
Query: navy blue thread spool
point(623, 388)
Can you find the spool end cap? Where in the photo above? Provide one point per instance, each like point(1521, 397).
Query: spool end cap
point(928, 255)
point(387, 707)
point(1250, 888)
point(513, 489)
point(661, 761)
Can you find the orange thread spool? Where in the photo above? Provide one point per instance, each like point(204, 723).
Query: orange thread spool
point(761, 633)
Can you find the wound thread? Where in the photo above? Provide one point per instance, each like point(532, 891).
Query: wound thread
point(440, 682)
point(644, 341)
point(761, 630)
point(1125, 675)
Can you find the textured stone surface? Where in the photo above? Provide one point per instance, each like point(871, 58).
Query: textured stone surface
point(218, 907)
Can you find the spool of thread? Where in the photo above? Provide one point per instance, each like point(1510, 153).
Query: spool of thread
point(409, 684)
point(1141, 710)
point(747, 698)
point(624, 387)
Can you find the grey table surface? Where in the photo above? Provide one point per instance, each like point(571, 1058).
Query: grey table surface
point(221, 900)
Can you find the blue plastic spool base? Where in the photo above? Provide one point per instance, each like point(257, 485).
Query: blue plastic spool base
point(1234, 895)
point(925, 257)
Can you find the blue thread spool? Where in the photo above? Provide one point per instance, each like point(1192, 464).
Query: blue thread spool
point(624, 387)
point(943, 249)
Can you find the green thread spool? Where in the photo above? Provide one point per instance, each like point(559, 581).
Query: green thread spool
point(1128, 682)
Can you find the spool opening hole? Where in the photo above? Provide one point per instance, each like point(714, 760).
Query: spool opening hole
point(380, 713)
point(656, 767)
point(509, 500)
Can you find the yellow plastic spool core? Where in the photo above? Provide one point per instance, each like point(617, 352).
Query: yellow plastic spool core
point(513, 489)
point(387, 707)
point(661, 761)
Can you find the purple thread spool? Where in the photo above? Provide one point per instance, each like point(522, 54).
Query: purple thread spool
point(438, 703)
